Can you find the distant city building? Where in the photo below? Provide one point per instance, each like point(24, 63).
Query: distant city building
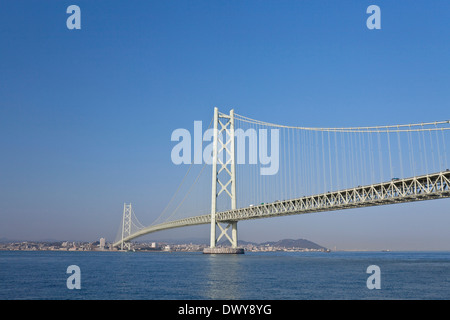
point(102, 244)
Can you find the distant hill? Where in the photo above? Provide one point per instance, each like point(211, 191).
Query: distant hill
point(291, 243)
point(285, 243)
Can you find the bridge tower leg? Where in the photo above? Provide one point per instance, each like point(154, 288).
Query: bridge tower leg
point(126, 226)
point(223, 147)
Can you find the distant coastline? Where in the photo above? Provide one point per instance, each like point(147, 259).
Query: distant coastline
point(189, 246)
point(186, 245)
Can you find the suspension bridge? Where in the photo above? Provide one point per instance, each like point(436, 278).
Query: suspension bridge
point(260, 169)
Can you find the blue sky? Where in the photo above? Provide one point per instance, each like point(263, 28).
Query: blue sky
point(86, 115)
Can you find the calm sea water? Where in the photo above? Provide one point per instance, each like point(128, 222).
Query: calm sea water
point(256, 276)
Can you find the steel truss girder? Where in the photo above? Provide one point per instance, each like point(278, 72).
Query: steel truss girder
point(426, 187)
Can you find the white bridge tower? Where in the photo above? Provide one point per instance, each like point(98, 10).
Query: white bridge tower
point(126, 226)
point(224, 179)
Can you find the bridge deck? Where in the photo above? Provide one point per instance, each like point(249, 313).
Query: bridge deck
point(426, 187)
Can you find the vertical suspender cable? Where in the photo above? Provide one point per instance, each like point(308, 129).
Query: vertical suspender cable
point(323, 165)
point(445, 150)
point(400, 153)
point(439, 149)
point(338, 186)
point(411, 151)
point(425, 151)
point(380, 156)
point(390, 158)
point(432, 152)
